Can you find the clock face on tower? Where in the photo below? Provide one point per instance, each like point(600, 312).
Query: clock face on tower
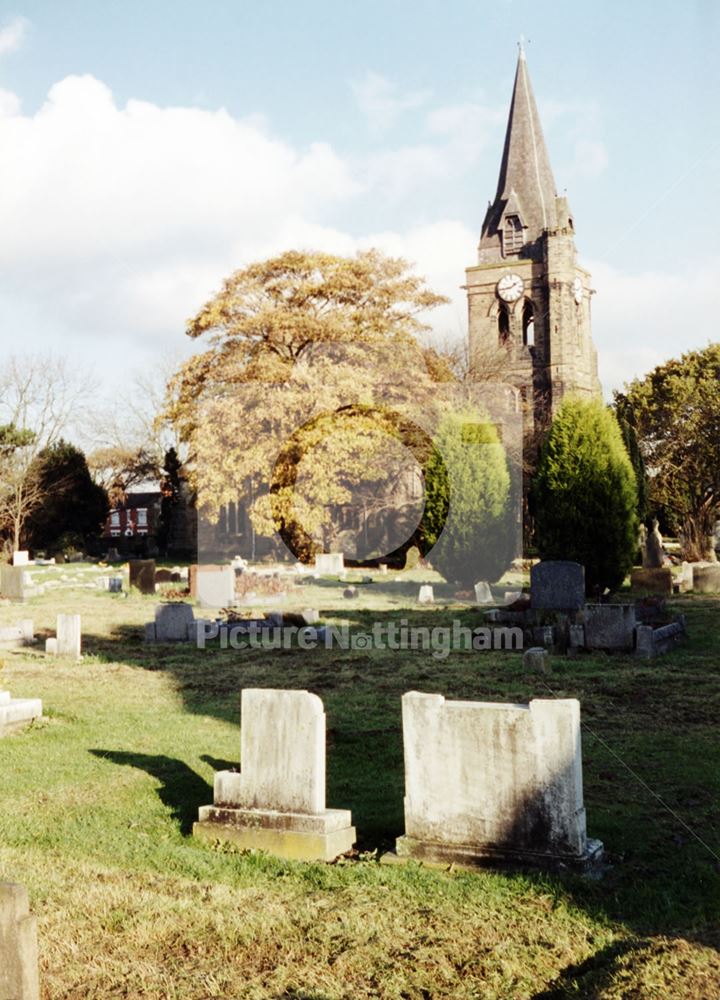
point(578, 290)
point(510, 287)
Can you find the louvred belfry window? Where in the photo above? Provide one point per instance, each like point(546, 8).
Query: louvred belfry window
point(512, 234)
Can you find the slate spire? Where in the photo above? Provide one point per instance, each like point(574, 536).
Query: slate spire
point(526, 186)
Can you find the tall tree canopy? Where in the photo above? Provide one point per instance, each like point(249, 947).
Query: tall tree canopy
point(675, 411)
point(296, 343)
point(584, 494)
point(73, 505)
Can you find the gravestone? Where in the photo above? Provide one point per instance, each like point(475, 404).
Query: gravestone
point(18, 945)
point(13, 582)
point(537, 660)
point(69, 636)
point(412, 557)
point(21, 558)
point(115, 584)
point(642, 544)
point(277, 802)
point(163, 576)
point(490, 783)
point(16, 713)
point(329, 563)
point(651, 642)
point(557, 585)
point(173, 622)
point(652, 581)
point(426, 595)
point(684, 580)
point(16, 636)
point(706, 578)
point(609, 626)
point(310, 616)
point(142, 575)
point(654, 552)
point(483, 594)
point(215, 588)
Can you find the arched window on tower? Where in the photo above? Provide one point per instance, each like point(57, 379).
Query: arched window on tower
point(528, 325)
point(503, 324)
point(512, 235)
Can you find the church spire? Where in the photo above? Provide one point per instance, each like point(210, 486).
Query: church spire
point(526, 187)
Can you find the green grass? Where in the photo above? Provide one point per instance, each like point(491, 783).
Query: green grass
point(98, 802)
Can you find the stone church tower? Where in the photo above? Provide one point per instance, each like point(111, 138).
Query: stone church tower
point(528, 300)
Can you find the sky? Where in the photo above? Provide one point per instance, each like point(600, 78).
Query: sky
point(147, 150)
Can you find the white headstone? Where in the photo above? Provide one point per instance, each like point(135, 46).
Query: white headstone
point(282, 752)
point(277, 801)
point(329, 563)
point(69, 636)
point(21, 558)
point(484, 778)
point(216, 587)
point(483, 594)
point(426, 595)
point(51, 646)
point(17, 712)
point(172, 621)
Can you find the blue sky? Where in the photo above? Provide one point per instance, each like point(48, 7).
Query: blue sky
point(148, 149)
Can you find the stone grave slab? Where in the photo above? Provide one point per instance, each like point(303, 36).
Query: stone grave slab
point(215, 588)
point(706, 578)
point(609, 626)
point(329, 563)
point(19, 979)
point(277, 802)
point(489, 783)
point(15, 713)
point(652, 581)
point(557, 585)
point(142, 575)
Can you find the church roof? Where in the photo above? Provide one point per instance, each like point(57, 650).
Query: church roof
point(525, 173)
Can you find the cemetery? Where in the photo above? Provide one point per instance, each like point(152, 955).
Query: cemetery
point(358, 616)
point(143, 806)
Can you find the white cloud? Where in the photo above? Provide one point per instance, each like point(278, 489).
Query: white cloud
point(12, 35)
point(121, 220)
point(382, 102)
point(641, 320)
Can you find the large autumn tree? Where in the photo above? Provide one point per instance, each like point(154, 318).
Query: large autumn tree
point(313, 362)
point(675, 411)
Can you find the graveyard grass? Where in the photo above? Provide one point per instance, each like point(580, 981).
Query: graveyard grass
point(98, 803)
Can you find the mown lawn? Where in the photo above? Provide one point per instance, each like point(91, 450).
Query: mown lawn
point(97, 806)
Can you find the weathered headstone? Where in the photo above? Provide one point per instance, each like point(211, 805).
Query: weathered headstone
point(706, 578)
point(69, 636)
point(277, 802)
point(651, 642)
point(115, 584)
point(19, 978)
point(173, 621)
point(163, 575)
point(16, 713)
point(487, 782)
point(652, 581)
point(412, 557)
point(557, 585)
point(21, 558)
point(51, 646)
point(426, 595)
point(16, 636)
point(537, 660)
point(654, 551)
point(215, 588)
point(311, 616)
point(13, 582)
point(684, 580)
point(142, 575)
point(483, 594)
point(329, 563)
point(609, 626)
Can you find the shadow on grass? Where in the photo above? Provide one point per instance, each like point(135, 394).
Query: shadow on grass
point(591, 978)
point(182, 789)
point(660, 718)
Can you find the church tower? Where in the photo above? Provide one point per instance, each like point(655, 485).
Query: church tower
point(528, 299)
